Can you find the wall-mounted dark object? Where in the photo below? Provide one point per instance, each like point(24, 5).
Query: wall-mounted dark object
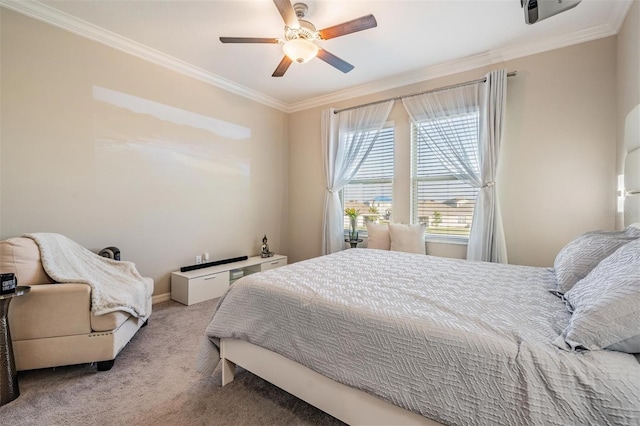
point(110, 252)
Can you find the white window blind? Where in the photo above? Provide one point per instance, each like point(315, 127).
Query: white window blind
point(439, 199)
point(370, 191)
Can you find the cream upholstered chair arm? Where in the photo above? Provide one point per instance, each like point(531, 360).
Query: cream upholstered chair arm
point(51, 310)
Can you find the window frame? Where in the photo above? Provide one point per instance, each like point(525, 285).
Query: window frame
point(415, 180)
point(363, 233)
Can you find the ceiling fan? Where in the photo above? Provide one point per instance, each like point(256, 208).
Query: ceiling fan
point(299, 36)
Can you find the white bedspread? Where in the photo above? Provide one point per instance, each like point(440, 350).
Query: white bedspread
point(115, 285)
point(459, 342)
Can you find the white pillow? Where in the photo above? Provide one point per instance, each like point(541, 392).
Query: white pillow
point(580, 256)
point(378, 236)
point(407, 238)
point(605, 305)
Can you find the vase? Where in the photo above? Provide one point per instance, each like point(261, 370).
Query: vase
point(353, 233)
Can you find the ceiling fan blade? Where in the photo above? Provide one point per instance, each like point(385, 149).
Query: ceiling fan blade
point(248, 40)
point(358, 24)
point(288, 14)
point(334, 61)
point(283, 66)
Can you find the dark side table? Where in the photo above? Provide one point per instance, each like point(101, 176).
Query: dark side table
point(8, 374)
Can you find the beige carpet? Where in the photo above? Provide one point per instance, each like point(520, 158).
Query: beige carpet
point(154, 382)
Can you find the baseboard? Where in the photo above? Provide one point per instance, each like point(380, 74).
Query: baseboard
point(158, 298)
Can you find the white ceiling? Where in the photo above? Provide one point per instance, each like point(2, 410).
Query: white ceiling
point(414, 40)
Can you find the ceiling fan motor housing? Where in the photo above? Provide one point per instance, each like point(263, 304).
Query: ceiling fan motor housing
point(306, 31)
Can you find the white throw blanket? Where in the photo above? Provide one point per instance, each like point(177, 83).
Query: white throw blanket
point(115, 285)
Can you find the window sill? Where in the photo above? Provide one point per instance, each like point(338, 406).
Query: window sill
point(463, 241)
point(360, 235)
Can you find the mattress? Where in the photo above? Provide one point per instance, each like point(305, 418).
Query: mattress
point(459, 342)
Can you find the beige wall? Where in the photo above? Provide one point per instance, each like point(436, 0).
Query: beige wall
point(557, 174)
point(628, 79)
point(109, 149)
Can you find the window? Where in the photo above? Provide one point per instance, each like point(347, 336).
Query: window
point(370, 191)
point(438, 198)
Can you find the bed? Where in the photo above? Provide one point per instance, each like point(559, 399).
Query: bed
point(381, 337)
point(453, 341)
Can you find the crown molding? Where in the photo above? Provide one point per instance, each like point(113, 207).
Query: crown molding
point(55, 17)
point(471, 62)
point(85, 29)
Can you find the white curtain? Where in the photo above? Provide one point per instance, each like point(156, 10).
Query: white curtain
point(474, 165)
point(486, 241)
point(347, 139)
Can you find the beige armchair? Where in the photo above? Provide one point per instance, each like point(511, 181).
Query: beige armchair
point(53, 325)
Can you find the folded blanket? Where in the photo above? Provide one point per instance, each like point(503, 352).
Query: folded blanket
point(115, 285)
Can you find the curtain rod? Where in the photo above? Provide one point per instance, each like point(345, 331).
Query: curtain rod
point(453, 86)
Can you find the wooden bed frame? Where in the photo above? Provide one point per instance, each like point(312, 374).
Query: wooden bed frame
point(352, 406)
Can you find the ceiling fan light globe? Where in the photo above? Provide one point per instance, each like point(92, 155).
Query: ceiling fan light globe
point(300, 50)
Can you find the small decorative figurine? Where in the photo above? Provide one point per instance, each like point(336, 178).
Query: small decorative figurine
point(265, 248)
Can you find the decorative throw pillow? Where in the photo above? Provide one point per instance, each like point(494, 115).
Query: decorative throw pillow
point(580, 256)
point(21, 256)
point(378, 236)
point(407, 238)
point(606, 305)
